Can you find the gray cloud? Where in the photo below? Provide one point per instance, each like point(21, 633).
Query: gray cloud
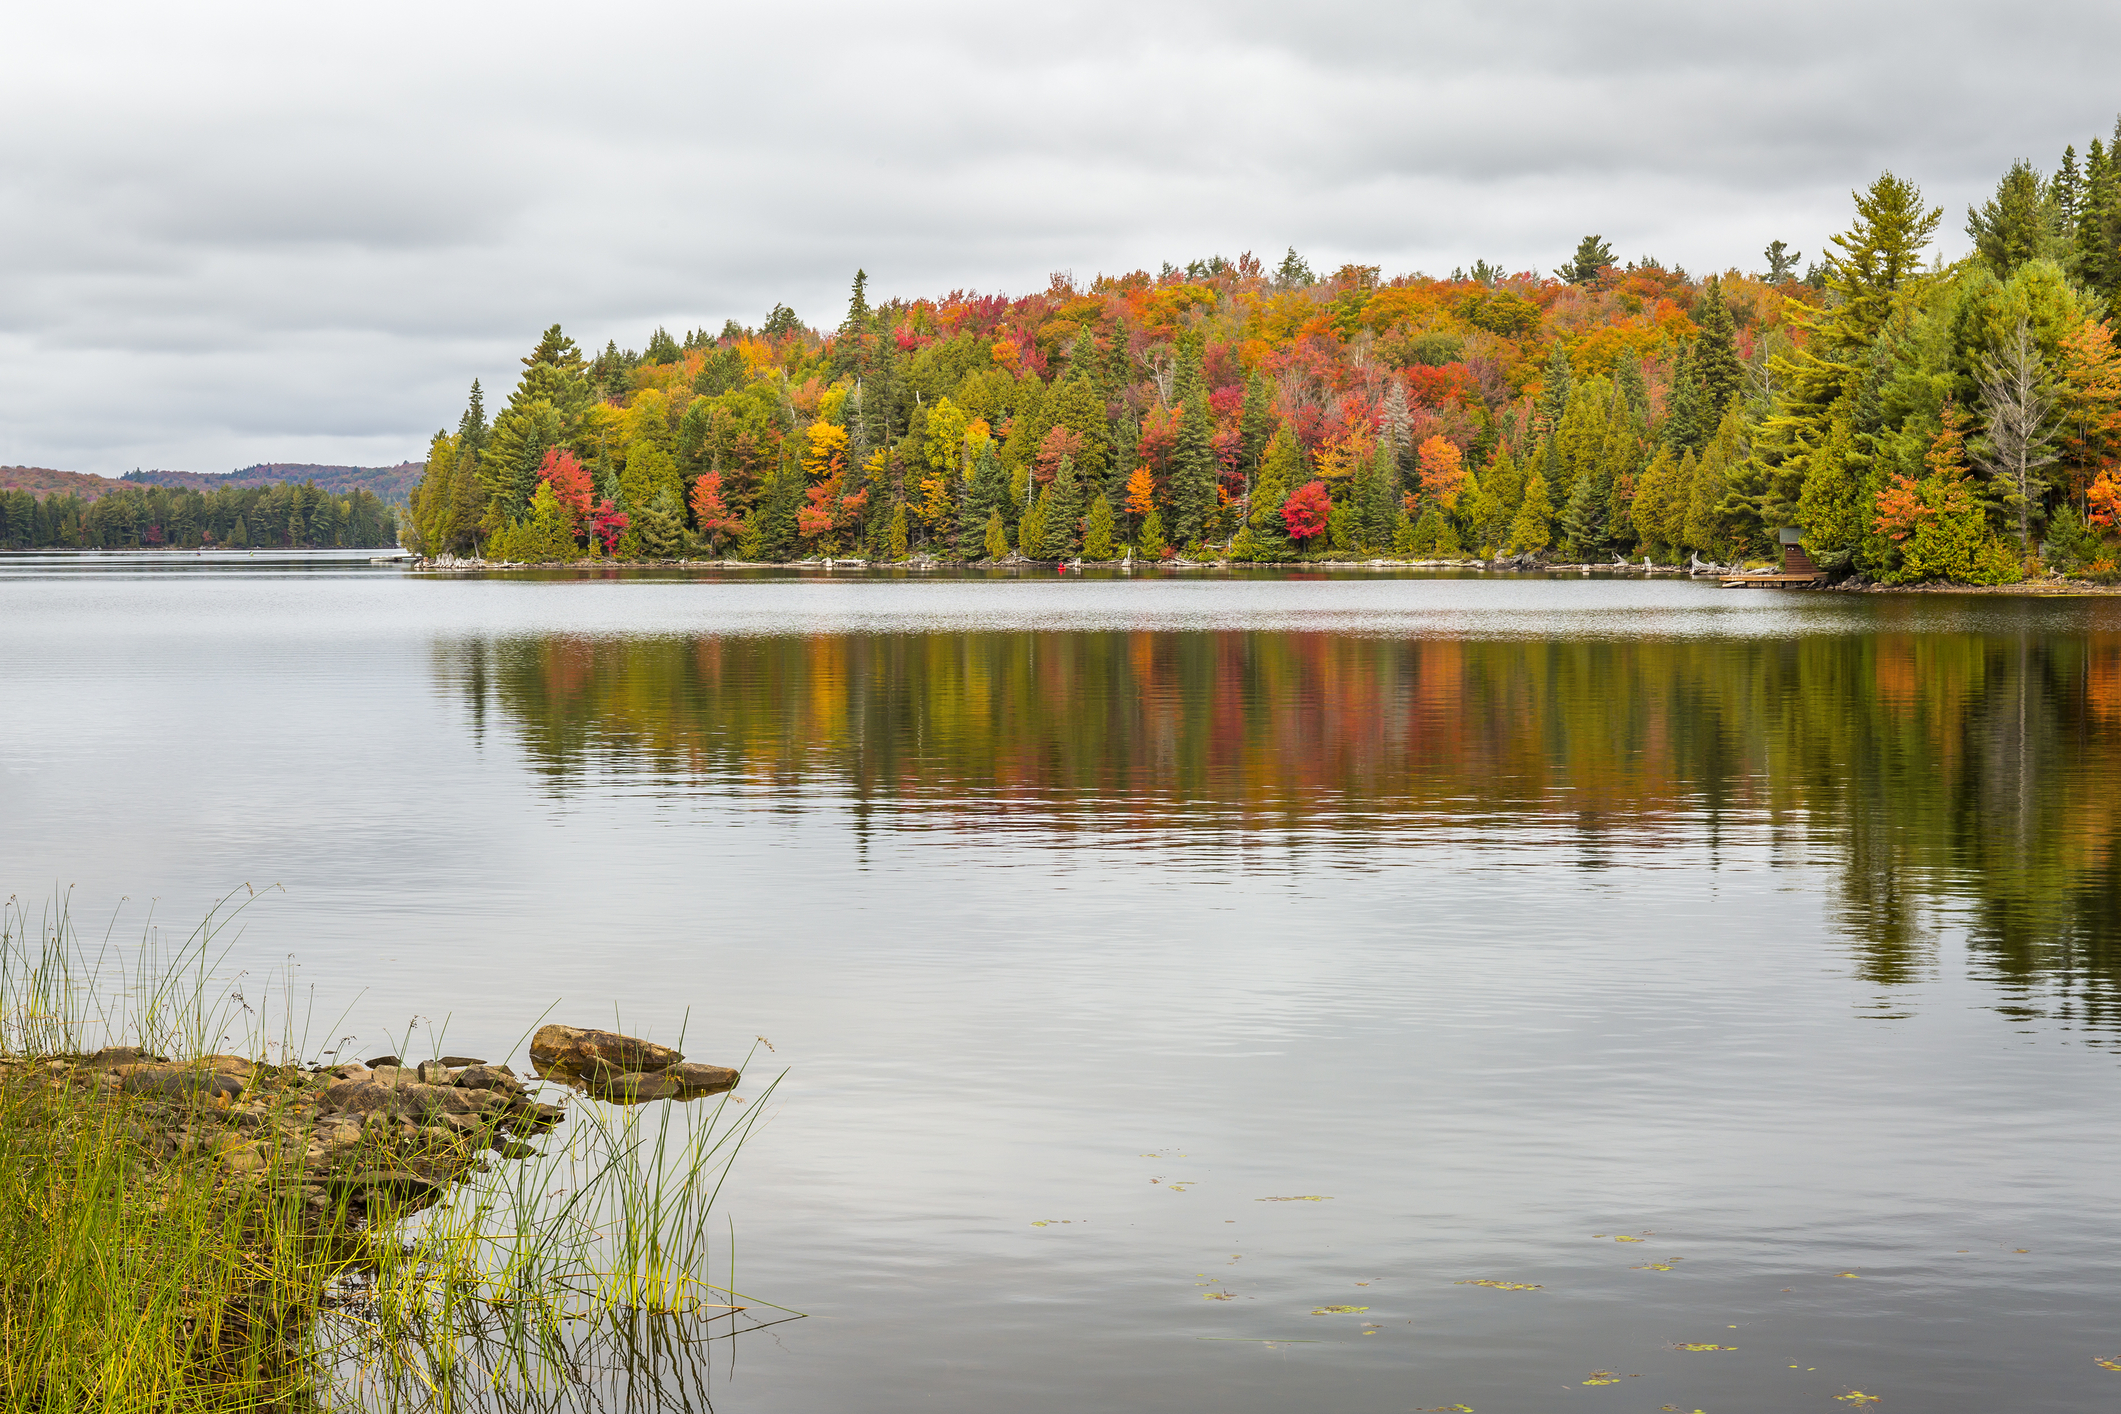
point(246, 232)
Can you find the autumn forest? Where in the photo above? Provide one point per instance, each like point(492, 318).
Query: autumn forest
point(1914, 419)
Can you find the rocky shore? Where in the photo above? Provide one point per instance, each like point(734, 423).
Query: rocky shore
point(365, 1134)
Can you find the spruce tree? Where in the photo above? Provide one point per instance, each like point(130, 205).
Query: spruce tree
point(1080, 407)
point(776, 512)
point(1584, 518)
point(984, 496)
point(1031, 531)
point(1715, 362)
point(997, 535)
point(1062, 509)
point(1383, 494)
point(1193, 465)
point(897, 542)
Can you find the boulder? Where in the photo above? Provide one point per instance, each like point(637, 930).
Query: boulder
point(459, 1062)
point(571, 1050)
point(121, 1055)
point(179, 1082)
point(678, 1082)
point(695, 1076)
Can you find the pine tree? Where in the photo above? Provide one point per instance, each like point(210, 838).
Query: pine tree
point(1660, 506)
point(1592, 255)
point(775, 515)
point(997, 535)
point(1097, 531)
point(897, 543)
point(1403, 534)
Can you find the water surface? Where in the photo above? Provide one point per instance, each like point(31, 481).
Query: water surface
point(1503, 917)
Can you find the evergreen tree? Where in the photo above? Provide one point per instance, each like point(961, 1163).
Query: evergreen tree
point(1403, 534)
point(1193, 465)
point(1256, 421)
point(1097, 532)
point(548, 533)
point(1533, 528)
point(661, 347)
point(1556, 383)
point(1151, 538)
point(897, 542)
point(1831, 507)
point(2017, 224)
point(1584, 518)
point(1078, 406)
point(1716, 353)
point(1627, 373)
point(997, 535)
point(1592, 255)
point(1341, 525)
point(1686, 424)
point(775, 515)
point(1031, 531)
point(1062, 509)
point(984, 497)
point(1381, 496)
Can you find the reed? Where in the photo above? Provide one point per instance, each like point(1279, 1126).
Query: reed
point(154, 1258)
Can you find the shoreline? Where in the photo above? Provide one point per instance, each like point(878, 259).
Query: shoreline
point(2052, 586)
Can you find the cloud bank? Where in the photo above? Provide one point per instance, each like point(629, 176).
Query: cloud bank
point(241, 233)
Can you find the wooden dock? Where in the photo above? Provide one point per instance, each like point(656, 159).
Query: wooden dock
point(1770, 581)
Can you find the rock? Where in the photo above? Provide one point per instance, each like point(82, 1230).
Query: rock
point(571, 1049)
point(245, 1158)
point(459, 1062)
point(498, 1078)
point(121, 1055)
point(381, 1061)
point(678, 1082)
point(352, 1070)
point(179, 1082)
point(695, 1076)
point(434, 1073)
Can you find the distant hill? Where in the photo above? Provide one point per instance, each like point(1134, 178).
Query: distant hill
point(393, 484)
point(43, 481)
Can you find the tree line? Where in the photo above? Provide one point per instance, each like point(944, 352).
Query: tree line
point(287, 515)
point(1913, 419)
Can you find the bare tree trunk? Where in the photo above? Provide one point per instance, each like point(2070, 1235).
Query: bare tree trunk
point(2019, 399)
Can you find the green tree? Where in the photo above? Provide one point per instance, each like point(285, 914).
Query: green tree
point(1080, 407)
point(898, 531)
point(1061, 509)
point(984, 496)
point(1150, 540)
point(1715, 361)
point(1193, 465)
point(659, 523)
point(1533, 528)
point(1097, 531)
point(997, 545)
point(1831, 508)
point(2019, 223)
point(1592, 255)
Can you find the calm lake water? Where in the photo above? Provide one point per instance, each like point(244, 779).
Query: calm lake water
point(1502, 919)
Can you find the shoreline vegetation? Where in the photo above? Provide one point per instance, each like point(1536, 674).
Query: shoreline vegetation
point(1896, 417)
point(253, 1226)
point(281, 515)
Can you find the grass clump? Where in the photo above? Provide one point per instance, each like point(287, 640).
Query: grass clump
point(213, 1235)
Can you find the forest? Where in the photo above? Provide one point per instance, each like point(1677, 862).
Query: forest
point(1915, 419)
point(283, 516)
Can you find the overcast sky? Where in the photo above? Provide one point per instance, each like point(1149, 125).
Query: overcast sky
point(292, 233)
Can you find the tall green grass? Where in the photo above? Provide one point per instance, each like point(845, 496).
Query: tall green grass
point(140, 1270)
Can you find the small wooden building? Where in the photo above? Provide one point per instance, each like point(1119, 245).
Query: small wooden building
point(1794, 560)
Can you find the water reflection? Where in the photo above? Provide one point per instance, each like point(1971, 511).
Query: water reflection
point(1941, 779)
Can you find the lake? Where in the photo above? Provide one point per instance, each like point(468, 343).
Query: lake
point(1560, 973)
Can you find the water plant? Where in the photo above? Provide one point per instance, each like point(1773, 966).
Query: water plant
point(161, 1249)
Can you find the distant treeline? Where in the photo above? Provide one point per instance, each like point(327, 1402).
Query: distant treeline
point(392, 483)
point(285, 516)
